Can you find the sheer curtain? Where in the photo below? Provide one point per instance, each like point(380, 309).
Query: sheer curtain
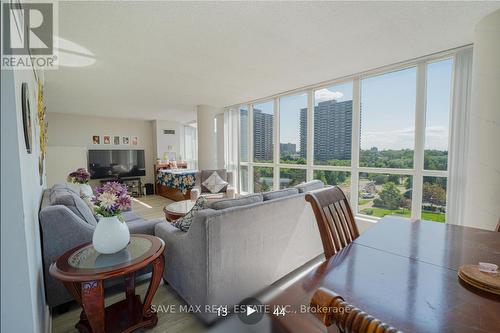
point(231, 144)
point(459, 135)
point(191, 146)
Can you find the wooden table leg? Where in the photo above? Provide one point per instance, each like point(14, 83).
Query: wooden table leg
point(93, 304)
point(158, 266)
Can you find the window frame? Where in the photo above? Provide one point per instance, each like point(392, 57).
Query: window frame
point(417, 172)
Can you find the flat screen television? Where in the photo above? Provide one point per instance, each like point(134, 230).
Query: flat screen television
point(116, 163)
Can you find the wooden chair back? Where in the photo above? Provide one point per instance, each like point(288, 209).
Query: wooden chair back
point(346, 317)
point(334, 217)
point(498, 226)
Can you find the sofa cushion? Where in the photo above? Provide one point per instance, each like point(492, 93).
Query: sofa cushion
point(279, 194)
point(184, 222)
point(241, 201)
point(129, 216)
point(73, 201)
point(72, 187)
point(204, 174)
point(214, 183)
point(310, 186)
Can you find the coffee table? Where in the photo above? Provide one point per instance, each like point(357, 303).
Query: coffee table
point(178, 209)
point(83, 271)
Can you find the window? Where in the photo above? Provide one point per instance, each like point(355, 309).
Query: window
point(244, 134)
point(384, 194)
point(388, 120)
point(382, 137)
point(291, 177)
point(434, 199)
point(243, 178)
point(263, 130)
point(262, 179)
point(437, 114)
point(341, 179)
point(293, 129)
point(191, 145)
point(333, 125)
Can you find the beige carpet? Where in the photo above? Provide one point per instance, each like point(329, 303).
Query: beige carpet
point(150, 206)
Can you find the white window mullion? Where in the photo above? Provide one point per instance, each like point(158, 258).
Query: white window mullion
point(355, 142)
point(250, 148)
point(310, 134)
point(276, 140)
point(418, 157)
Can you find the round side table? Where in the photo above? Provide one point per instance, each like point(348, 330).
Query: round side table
point(177, 209)
point(83, 271)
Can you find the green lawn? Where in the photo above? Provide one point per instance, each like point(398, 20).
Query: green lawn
point(438, 217)
point(363, 201)
point(381, 212)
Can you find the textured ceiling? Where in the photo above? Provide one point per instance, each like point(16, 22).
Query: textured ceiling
point(158, 60)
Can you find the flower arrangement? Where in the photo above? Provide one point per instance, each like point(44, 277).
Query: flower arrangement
point(79, 176)
point(111, 199)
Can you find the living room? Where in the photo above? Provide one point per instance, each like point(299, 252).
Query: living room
point(239, 166)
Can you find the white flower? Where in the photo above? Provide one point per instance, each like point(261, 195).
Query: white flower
point(107, 200)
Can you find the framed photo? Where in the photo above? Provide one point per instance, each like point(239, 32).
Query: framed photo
point(116, 140)
point(26, 112)
point(107, 139)
point(135, 141)
point(96, 140)
point(125, 140)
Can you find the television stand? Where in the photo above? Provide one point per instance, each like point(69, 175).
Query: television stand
point(134, 184)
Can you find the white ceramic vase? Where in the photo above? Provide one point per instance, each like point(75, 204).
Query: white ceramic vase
point(110, 235)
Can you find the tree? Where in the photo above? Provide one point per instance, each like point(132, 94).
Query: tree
point(389, 197)
point(434, 194)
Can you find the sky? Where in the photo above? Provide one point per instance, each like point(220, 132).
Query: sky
point(387, 108)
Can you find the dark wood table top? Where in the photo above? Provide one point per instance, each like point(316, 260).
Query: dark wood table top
point(84, 263)
point(405, 274)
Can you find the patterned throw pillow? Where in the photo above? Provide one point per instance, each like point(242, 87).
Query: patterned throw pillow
point(184, 222)
point(215, 183)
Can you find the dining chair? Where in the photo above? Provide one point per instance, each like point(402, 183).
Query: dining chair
point(346, 317)
point(334, 217)
point(498, 226)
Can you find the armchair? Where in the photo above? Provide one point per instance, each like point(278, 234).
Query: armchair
point(199, 190)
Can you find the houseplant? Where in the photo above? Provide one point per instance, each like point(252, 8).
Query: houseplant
point(80, 178)
point(111, 233)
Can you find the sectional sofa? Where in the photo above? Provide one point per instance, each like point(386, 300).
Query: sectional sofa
point(238, 247)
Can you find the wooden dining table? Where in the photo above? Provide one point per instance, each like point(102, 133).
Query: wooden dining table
point(405, 274)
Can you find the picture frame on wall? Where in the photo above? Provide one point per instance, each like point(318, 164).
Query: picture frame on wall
point(125, 140)
point(96, 140)
point(116, 140)
point(106, 139)
point(134, 141)
point(26, 113)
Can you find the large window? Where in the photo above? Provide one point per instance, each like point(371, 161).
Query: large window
point(293, 129)
point(263, 130)
point(381, 136)
point(388, 120)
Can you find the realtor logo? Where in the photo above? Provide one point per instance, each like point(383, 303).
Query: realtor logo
point(28, 31)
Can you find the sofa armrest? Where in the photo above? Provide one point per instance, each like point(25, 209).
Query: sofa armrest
point(195, 193)
point(141, 226)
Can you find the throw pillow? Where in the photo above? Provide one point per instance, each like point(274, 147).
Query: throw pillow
point(310, 186)
point(215, 183)
point(184, 222)
point(204, 174)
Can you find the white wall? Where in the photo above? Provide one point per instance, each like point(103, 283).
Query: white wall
point(164, 141)
point(23, 297)
point(482, 194)
point(72, 134)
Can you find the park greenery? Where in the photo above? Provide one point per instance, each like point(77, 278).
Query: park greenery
point(392, 193)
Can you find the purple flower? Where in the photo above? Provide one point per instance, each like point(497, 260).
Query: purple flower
point(111, 199)
point(79, 176)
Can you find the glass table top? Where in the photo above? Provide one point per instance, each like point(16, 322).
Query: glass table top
point(88, 258)
point(181, 207)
